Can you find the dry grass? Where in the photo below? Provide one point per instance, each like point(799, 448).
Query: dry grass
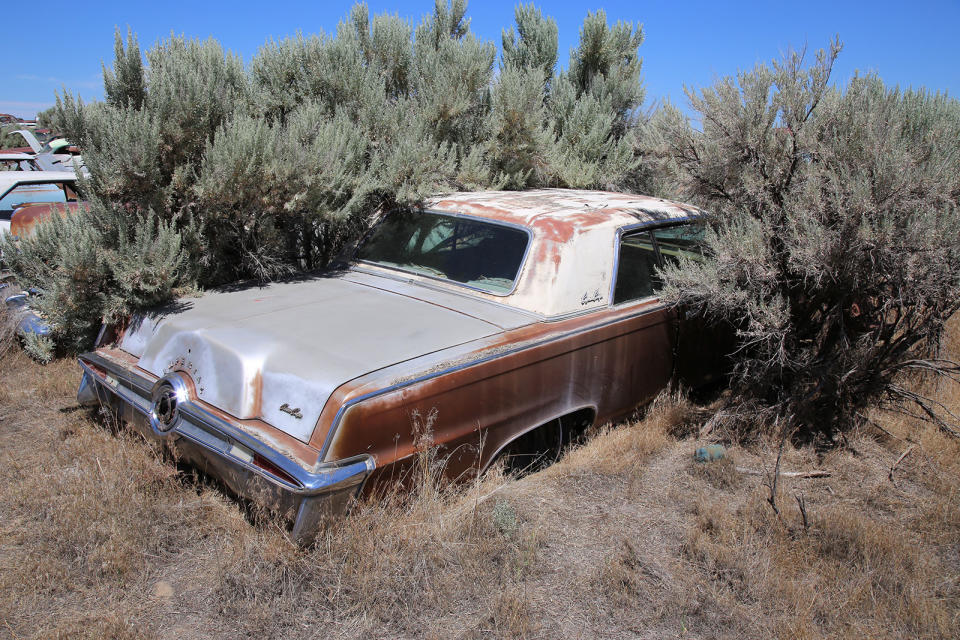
point(624, 448)
point(626, 536)
point(102, 537)
point(8, 337)
point(851, 572)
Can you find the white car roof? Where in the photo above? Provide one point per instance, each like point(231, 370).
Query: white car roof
point(10, 179)
point(571, 261)
point(31, 139)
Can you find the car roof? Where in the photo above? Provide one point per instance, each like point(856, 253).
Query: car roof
point(7, 177)
point(547, 208)
point(565, 226)
point(10, 179)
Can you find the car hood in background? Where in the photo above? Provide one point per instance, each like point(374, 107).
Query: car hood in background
point(278, 352)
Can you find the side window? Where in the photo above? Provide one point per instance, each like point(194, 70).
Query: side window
point(642, 252)
point(636, 268)
point(32, 193)
point(680, 241)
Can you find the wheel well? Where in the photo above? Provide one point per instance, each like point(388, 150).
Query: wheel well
point(575, 424)
point(543, 445)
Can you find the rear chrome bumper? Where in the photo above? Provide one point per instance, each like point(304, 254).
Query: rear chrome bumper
point(247, 465)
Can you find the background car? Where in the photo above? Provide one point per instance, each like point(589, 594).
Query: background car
point(21, 188)
point(18, 162)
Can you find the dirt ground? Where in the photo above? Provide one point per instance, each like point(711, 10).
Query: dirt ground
point(625, 537)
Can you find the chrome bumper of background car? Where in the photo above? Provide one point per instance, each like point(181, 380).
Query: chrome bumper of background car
point(247, 465)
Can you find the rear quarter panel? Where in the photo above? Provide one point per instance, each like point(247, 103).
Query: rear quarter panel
point(609, 361)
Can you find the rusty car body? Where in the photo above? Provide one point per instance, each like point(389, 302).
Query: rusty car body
point(35, 195)
point(27, 198)
point(511, 317)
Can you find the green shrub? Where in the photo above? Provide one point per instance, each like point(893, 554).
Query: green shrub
point(9, 139)
point(205, 172)
point(98, 264)
point(837, 238)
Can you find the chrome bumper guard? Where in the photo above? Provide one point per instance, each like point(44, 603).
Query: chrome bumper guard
point(308, 496)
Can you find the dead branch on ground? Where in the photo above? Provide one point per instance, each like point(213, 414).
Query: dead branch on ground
point(899, 460)
point(816, 473)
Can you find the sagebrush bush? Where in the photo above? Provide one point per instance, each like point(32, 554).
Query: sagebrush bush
point(100, 263)
point(836, 248)
point(258, 171)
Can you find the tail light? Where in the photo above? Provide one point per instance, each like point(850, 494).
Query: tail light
point(273, 469)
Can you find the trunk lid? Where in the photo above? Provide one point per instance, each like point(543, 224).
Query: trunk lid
point(278, 352)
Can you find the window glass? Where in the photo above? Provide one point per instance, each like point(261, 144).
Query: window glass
point(471, 252)
point(636, 268)
point(680, 241)
point(642, 252)
point(31, 193)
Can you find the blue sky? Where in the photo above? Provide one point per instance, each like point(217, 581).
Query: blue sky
point(687, 43)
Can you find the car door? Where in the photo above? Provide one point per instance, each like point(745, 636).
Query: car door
point(701, 346)
point(640, 354)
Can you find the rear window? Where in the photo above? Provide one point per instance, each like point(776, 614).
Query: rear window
point(475, 253)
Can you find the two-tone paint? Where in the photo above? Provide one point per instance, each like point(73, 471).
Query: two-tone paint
point(19, 188)
point(305, 375)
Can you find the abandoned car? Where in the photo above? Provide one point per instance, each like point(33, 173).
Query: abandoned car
point(18, 162)
point(21, 190)
point(511, 319)
point(56, 154)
